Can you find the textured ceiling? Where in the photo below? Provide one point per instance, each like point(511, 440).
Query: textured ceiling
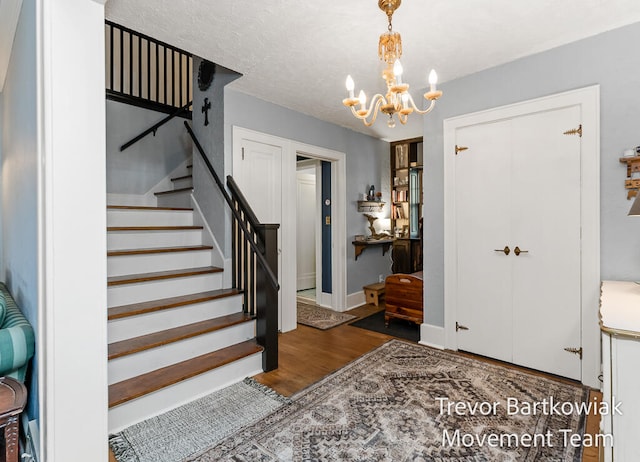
point(297, 53)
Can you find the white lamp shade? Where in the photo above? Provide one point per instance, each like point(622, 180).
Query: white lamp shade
point(635, 208)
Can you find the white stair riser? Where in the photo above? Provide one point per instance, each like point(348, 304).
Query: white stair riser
point(126, 294)
point(134, 326)
point(183, 183)
point(183, 392)
point(140, 363)
point(148, 263)
point(179, 199)
point(133, 217)
point(118, 240)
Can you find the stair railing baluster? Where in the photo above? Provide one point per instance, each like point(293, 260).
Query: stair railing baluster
point(130, 64)
point(110, 56)
point(259, 262)
point(121, 61)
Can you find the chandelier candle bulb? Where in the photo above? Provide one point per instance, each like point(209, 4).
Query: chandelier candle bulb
point(350, 86)
point(363, 99)
point(363, 104)
point(433, 80)
point(433, 94)
point(397, 70)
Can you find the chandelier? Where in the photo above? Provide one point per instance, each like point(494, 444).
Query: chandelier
point(397, 100)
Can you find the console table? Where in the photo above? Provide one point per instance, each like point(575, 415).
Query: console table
point(620, 326)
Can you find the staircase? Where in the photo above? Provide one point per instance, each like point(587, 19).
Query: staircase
point(174, 332)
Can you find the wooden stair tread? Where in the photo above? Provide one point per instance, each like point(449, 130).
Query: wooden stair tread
point(144, 207)
point(134, 309)
point(185, 177)
point(156, 339)
point(152, 250)
point(153, 228)
point(145, 277)
point(173, 191)
point(141, 385)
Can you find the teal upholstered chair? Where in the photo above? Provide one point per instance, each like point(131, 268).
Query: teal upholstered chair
point(17, 340)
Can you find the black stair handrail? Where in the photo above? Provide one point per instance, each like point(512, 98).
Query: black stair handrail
point(271, 277)
point(155, 127)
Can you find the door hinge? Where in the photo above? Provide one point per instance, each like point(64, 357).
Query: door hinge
point(460, 149)
point(242, 153)
point(460, 327)
point(575, 131)
point(575, 351)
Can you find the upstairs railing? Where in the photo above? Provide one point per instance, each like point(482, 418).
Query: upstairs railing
point(255, 263)
point(146, 72)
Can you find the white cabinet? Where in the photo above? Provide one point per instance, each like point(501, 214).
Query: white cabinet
point(620, 325)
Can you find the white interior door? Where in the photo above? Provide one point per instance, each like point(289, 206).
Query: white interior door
point(306, 229)
point(546, 224)
point(482, 231)
point(258, 173)
point(518, 187)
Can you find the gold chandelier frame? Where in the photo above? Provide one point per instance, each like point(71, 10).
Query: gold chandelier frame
point(397, 99)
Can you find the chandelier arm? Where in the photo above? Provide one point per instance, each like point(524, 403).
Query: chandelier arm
point(415, 108)
point(403, 118)
point(376, 101)
point(379, 101)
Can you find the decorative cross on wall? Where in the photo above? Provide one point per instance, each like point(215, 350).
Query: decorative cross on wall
point(205, 109)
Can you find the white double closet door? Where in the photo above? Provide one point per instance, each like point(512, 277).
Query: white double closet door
point(517, 187)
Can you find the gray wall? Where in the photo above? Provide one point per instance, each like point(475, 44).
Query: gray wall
point(19, 185)
point(604, 59)
point(141, 166)
point(367, 162)
point(212, 139)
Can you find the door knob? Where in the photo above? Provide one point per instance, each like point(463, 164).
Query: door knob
point(506, 250)
point(517, 251)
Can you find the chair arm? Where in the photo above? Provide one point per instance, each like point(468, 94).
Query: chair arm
point(17, 345)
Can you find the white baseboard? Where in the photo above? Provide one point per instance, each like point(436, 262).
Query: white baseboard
point(356, 299)
point(432, 336)
point(208, 238)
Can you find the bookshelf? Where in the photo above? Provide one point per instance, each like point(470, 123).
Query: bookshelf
point(406, 163)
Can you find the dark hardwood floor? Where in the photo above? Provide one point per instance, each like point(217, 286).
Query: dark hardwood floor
point(307, 355)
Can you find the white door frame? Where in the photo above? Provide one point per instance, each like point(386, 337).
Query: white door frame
point(290, 149)
point(589, 100)
point(315, 163)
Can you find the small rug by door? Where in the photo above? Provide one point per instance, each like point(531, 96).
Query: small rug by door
point(188, 429)
point(393, 405)
point(397, 327)
point(320, 318)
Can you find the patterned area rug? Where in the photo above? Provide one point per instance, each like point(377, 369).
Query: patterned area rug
point(189, 429)
point(393, 405)
point(320, 318)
